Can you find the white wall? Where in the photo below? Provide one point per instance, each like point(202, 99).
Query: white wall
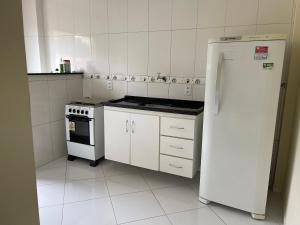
point(48, 96)
point(143, 37)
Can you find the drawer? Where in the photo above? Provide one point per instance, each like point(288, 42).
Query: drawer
point(177, 127)
point(177, 147)
point(177, 166)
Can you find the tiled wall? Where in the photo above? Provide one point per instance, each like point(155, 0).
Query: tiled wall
point(48, 95)
point(143, 37)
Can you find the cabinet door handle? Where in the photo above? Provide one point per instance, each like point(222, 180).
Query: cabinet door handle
point(176, 127)
point(175, 166)
point(127, 129)
point(132, 126)
point(176, 147)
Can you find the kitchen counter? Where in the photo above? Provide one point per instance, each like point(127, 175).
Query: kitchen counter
point(158, 105)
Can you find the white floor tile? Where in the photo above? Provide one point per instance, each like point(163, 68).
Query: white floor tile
point(136, 206)
point(177, 199)
point(126, 184)
point(80, 169)
point(236, 217)
point(79, 190)
point(92, 212)
point(203, 216)
point(61, 162)
point(111, 168)
point(162, 220)
point(51, 215)
point(50, 195)
point(45, 176)
point(161, 180)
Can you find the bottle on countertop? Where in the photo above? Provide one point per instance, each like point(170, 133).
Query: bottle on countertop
point(61, 66)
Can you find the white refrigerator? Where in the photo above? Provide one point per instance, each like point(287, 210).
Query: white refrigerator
point(241, 100)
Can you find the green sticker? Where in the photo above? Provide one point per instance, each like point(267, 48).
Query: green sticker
point(268, 66)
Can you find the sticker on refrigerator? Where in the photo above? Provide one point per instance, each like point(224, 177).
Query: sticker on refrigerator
point(268, 66)
point(261, 52)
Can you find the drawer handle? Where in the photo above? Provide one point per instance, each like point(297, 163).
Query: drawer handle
point(176, 147)
point(175, 166)
point(176, 127)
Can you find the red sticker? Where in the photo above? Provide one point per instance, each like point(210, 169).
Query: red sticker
point(262, 49)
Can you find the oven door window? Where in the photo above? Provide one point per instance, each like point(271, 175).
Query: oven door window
point(79, 128)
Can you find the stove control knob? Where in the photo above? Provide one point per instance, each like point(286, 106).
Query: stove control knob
point(74, 110)
point(82, 112)
point(70, 110)
point(78, 111)
point(86, 112)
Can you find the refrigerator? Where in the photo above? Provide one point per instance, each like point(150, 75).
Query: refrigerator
point(241, 102)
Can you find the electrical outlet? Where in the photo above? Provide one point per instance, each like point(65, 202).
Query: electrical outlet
point(109, 85)
point(188, 90)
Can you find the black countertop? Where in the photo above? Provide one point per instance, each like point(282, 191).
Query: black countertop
point(158, 105)
point(72, 73)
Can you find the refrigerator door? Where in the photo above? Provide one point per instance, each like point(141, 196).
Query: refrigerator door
point(241, 99)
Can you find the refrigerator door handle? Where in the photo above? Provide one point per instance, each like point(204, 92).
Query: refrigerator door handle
point(217, 88)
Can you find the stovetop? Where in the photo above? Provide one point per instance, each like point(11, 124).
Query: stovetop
point(88, 102)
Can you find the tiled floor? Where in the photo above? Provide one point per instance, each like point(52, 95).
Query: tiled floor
point(72, 193)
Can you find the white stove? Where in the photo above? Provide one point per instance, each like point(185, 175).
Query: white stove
point(84, 129)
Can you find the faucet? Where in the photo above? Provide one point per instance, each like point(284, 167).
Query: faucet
point(159, 77)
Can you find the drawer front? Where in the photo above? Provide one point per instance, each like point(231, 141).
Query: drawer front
point(177, 147)
point(177, 127)
point(177, 166)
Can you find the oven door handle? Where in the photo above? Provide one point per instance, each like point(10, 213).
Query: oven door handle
point(78, 118)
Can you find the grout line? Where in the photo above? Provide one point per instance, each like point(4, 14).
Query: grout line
point(62, 216)
point(217, 215)
point(105, 181)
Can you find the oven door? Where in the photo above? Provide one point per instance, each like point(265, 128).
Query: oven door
point(80, 129)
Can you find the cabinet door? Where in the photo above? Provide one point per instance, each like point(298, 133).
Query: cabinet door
point(145, 141)
point(117, 136)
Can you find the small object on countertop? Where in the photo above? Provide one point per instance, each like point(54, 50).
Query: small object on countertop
point(61, 66)
point(67, 66)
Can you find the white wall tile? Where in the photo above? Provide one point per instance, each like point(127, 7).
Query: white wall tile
point(159, 52)
point(198, 92)
point(99, 19)
point(65, 14)
point(160, 12)
point(118, 53)
point(158, 90)
point(58, 99)
point(42, 144)
point(137, 89)
point(211, 13)
point(74, 89)
point(100, 52)
point(29, 17)
point(58, 137)
point(138, 53)
point(82, 16)
point(99, 89)
point(137, 15)
point(176, 91)
point(241, 12)
point(82, 52)
point(65, 49)
point(240, 30)
point(184, 14)
point(87, 87)
point(201, 50)
point(32, 48)
point(275, 11)
point(50, 17)
point(183, 52)
point(39, 102)
point(274, 29)
point(117, 14)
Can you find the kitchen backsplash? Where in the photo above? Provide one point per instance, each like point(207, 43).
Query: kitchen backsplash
point(143, 37)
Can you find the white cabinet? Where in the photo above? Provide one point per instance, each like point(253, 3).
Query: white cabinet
point(166, 142)
point(145, 141)
point(132, 139)
point(117, 136)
